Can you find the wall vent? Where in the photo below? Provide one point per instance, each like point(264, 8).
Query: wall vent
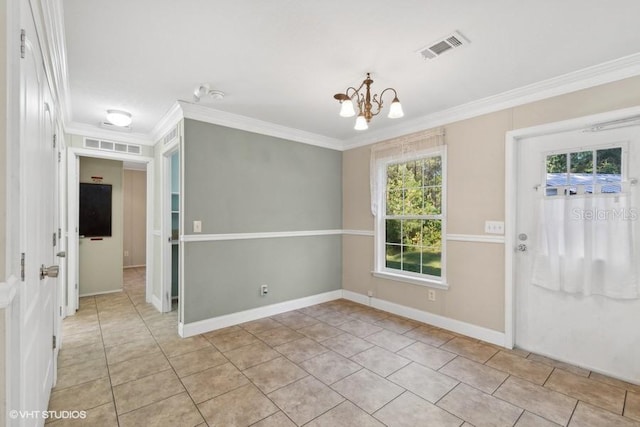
point(173, 134)
point(442, 45)
point(118, 147)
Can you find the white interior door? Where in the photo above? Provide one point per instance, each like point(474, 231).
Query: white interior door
point(37, 192)
point(595, 331)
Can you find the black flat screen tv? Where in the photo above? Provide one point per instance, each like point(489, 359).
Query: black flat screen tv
point(95, 210)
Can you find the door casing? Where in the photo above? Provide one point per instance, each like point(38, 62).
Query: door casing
point(512, 141)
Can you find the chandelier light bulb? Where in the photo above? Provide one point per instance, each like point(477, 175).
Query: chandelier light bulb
point(119, 118)
point(361, 123)
point(346, 109)
point(395, 110)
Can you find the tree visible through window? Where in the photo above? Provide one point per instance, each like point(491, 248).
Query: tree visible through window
point(413, 217)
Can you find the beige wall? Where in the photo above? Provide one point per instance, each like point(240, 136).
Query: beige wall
point(135, 218)
point(476, 169)
point(101, 260)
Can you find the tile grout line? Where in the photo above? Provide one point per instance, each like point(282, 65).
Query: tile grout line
point(185, 389)
point(106, 361)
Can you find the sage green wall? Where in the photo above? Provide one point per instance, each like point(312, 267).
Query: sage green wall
point(242, 182)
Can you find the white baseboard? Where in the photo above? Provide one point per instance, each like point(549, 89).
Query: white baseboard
point(133, 266)
point(464, 328)
point(100, 293)
point(156, 302)
point(207, 325)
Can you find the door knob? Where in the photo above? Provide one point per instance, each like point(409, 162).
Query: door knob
point(51, 271)
point(521, 247)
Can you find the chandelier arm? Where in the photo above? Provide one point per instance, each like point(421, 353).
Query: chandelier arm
point(395, 94)
point(378, 102)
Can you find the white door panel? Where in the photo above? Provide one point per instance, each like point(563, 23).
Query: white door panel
point(595, 332)
point(37, 218)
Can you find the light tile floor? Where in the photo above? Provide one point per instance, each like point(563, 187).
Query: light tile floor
point(333, 364)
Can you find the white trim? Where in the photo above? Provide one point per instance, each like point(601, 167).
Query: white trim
point(606, 72)
point(100, 293)
point(8, 292)
point(370, 233)
point(111, 155)
point(236, 121)
point(430, 283)
point(458, 326)
point(202, 326)
point(265, 235)
point(512, 139)
point(83, 129)
point(155, 301)
point(479, 238)
point(170, 120)
point(134, 266)
point(73, 179)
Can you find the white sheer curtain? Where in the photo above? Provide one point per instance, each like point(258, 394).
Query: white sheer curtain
point(586, 245)
point(399, 149)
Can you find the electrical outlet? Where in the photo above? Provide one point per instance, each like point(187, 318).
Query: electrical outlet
point(431, 294)
point(264, 290)
point(494, 227)
point(197, 226)
point(126, 253)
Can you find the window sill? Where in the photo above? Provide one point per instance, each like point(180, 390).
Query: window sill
point(413, 280)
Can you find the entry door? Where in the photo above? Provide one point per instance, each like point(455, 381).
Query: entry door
point(595, 331)
point(37, 216)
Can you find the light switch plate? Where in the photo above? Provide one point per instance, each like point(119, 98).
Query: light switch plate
point(197, 226)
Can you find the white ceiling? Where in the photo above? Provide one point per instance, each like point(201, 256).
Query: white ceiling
point(281, 61)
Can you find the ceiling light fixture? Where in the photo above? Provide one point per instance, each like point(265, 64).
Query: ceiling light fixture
point(119, 117)
point(366, 104)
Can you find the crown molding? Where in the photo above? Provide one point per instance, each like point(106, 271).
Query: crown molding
point(170, 119)
point(596, 75)
point(236, 121)
point(83, 129)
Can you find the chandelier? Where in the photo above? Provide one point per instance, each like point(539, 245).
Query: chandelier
point(368, 106)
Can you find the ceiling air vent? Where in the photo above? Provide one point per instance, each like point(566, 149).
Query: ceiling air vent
point(442, 45)
point(118, 147)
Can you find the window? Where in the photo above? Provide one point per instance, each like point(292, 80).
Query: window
point(411, 223)
point(580, 172)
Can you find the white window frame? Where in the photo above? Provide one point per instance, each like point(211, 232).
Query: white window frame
point(380, 269)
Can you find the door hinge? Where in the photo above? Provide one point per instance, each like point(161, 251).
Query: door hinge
point(59, 233)
point(54, 342)
point(54, 142)
point(60, 311)
point(22, 266)
point(55, 238)
point(23, 46)
point(59, 156)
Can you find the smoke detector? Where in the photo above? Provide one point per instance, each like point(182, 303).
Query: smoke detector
point(204, 90)
point(444, 44)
